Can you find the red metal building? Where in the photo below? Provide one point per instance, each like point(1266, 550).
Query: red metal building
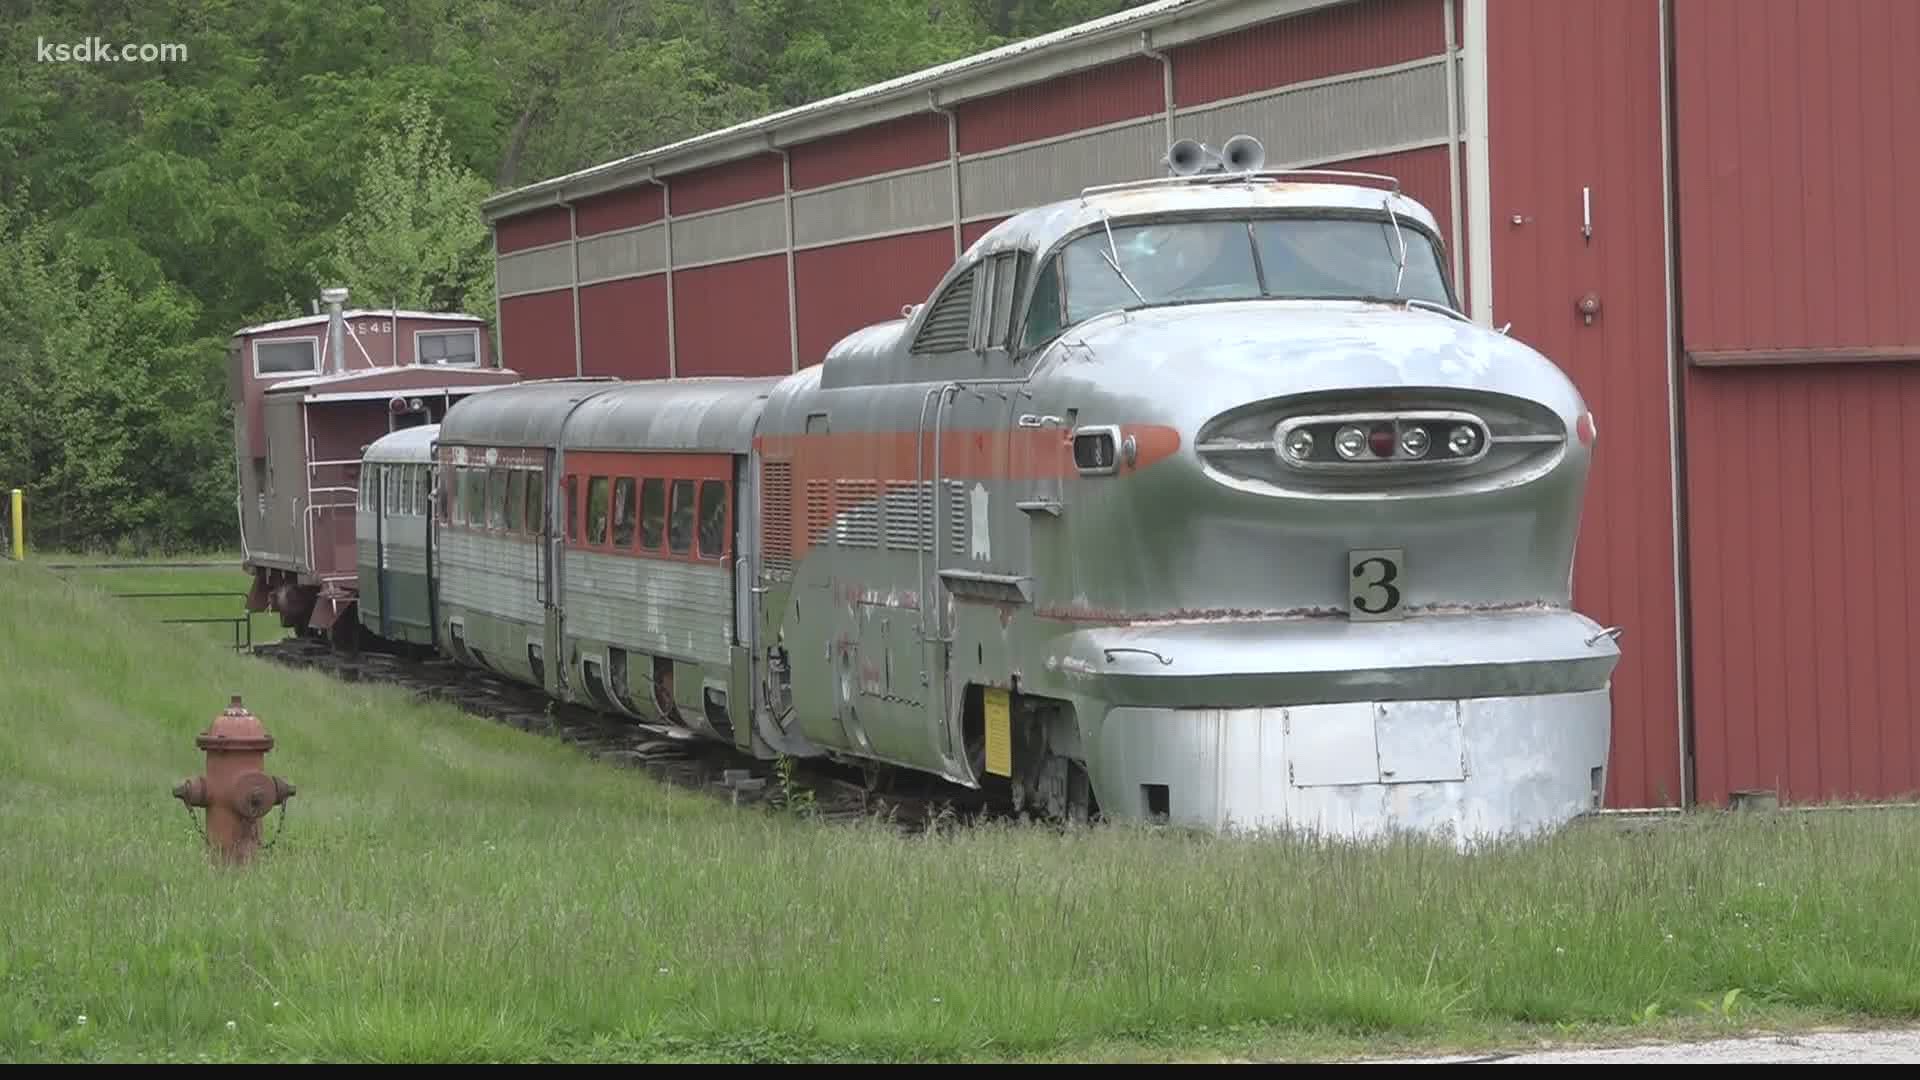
point(1715, 179)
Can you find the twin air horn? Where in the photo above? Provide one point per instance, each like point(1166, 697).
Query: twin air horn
point(1242, 153)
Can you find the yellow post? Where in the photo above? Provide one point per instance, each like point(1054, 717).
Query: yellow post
point(19, 526)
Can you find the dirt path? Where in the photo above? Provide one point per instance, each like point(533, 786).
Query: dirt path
point(1852, 1047)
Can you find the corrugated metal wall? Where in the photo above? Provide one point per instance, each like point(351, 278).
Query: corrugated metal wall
point(1795, 123)
point(1574, 88)
point(536, 334)
point(623, 328)
point(731, 319)
point(894, 270)
point(1351, 37)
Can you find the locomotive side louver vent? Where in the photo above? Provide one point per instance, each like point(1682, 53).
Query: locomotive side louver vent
point(909, 515)
point(819, 512)
point(957, 523)
point(946, 327)
point(859, 522)
point(776, 517)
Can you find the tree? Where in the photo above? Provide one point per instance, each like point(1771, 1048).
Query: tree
point(413, 236)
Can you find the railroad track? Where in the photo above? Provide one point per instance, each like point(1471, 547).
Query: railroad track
point(820, 788)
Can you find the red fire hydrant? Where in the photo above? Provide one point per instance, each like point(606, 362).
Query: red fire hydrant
point(235, 791)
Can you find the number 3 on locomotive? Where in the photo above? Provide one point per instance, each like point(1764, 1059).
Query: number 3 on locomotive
point(1377, 583)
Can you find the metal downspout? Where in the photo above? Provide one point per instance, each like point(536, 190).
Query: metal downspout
point(666, 223)
point(1676, 420)
point(793, 313)
point(1453, 139)
point(953, 162)
point(1166, 76)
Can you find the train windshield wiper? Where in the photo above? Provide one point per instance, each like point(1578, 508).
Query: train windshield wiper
point(1112, 257)
point(1401, 238)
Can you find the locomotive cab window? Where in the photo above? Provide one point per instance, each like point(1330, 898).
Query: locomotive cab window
point(1043, 312)
point(1294, 257)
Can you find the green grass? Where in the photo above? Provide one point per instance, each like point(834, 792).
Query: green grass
point(450, 889)
point(113, 575)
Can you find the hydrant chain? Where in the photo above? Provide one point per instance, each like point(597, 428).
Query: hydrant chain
point(235, 790)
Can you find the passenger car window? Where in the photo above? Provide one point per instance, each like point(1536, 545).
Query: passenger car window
point(497, 498)
point(536, 501)
point(597, 510)
point(680, 527)
point(624, 512)
point(653, 513)
point(516, 499)
point(713, 519)
point(473, 491)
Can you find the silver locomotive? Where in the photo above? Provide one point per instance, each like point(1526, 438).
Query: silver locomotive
point(1193, 498)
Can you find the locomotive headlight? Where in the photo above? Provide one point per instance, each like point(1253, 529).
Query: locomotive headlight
point(1462, 440)
point(1300, 444)
point(1350, 442)
point(1414, 442)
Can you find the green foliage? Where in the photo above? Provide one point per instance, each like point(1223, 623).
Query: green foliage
point(154, 208)
point(413, 237)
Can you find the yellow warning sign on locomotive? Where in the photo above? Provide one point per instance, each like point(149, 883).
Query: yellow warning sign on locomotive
point(999, 734)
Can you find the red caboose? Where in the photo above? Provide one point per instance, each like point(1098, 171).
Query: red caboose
point(308, 395)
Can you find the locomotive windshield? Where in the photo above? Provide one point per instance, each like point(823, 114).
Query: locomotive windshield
point(1170, 262)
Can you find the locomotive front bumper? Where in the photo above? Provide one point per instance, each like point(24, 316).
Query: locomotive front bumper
point(1474, 725)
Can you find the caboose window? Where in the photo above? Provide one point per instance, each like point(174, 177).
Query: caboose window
point(597, 510)
point(653, 513)
point(680, 529)
point(624, 512)
point(713, 519)
point(296, 357)
point(456, 347)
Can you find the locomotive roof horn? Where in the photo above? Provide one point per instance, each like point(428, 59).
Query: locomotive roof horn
point(1241, 154)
